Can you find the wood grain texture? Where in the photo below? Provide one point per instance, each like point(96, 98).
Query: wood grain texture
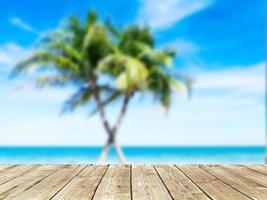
point(135, 182)
point(240, 183)
point(51, 185)
point(115, 184)
point(6, 167)
point(14, 172)
point(84, 185)
point(212, 186)
point(146, 184)
point(259, 168)
point(249, 174)
point(16, 186)
point(178, 184)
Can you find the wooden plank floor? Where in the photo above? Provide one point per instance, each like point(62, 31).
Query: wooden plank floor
point(32, 182)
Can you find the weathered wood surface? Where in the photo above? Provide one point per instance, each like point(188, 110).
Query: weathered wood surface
point(200, 182)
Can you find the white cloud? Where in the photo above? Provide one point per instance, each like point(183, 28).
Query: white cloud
point(50, 129)
point(159, 14)
point(11, 53)
point(23, 25)
point(184, 48)
point(248, 79)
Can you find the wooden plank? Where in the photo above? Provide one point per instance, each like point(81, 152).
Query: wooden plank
point(115, 184)
point(47, 188)
point(14, 172)
point(84, 185)
point(22, 183)
point(249, 174)
point(211, 185)
point(259, 168)
point(146, 184)
point(6, 167)
point(178, 184)
point(240, 183)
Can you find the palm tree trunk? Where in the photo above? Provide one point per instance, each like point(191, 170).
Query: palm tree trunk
point(106, 148)
point(111, 141)
point(118, 149)
point(119, 152)
point(104, 153)
point(122, 113)
point(111, 132)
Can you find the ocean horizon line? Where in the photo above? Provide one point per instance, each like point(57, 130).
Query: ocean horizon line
point(134, 154)
point(132, 146)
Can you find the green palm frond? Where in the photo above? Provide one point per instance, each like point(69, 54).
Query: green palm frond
point(96, 44)
point(91, 20)
point(112, 29)
point(156, 57)
point(79, 98)
point(65, 49)
point(132, 37)
point(133, 76)
point(128, 72)
point(162, 85)
point(159, 84)
point(45, 59)
point(186, 84)
point(75, 31)
point(54, 80)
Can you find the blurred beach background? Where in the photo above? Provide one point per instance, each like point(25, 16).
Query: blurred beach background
point(220, 44)
point(136, 155)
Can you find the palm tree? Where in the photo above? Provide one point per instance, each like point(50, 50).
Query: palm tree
point(105, 65)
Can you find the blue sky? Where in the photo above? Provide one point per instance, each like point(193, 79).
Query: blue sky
point(220, 43)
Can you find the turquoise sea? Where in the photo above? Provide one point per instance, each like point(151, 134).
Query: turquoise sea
point(183, 155)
